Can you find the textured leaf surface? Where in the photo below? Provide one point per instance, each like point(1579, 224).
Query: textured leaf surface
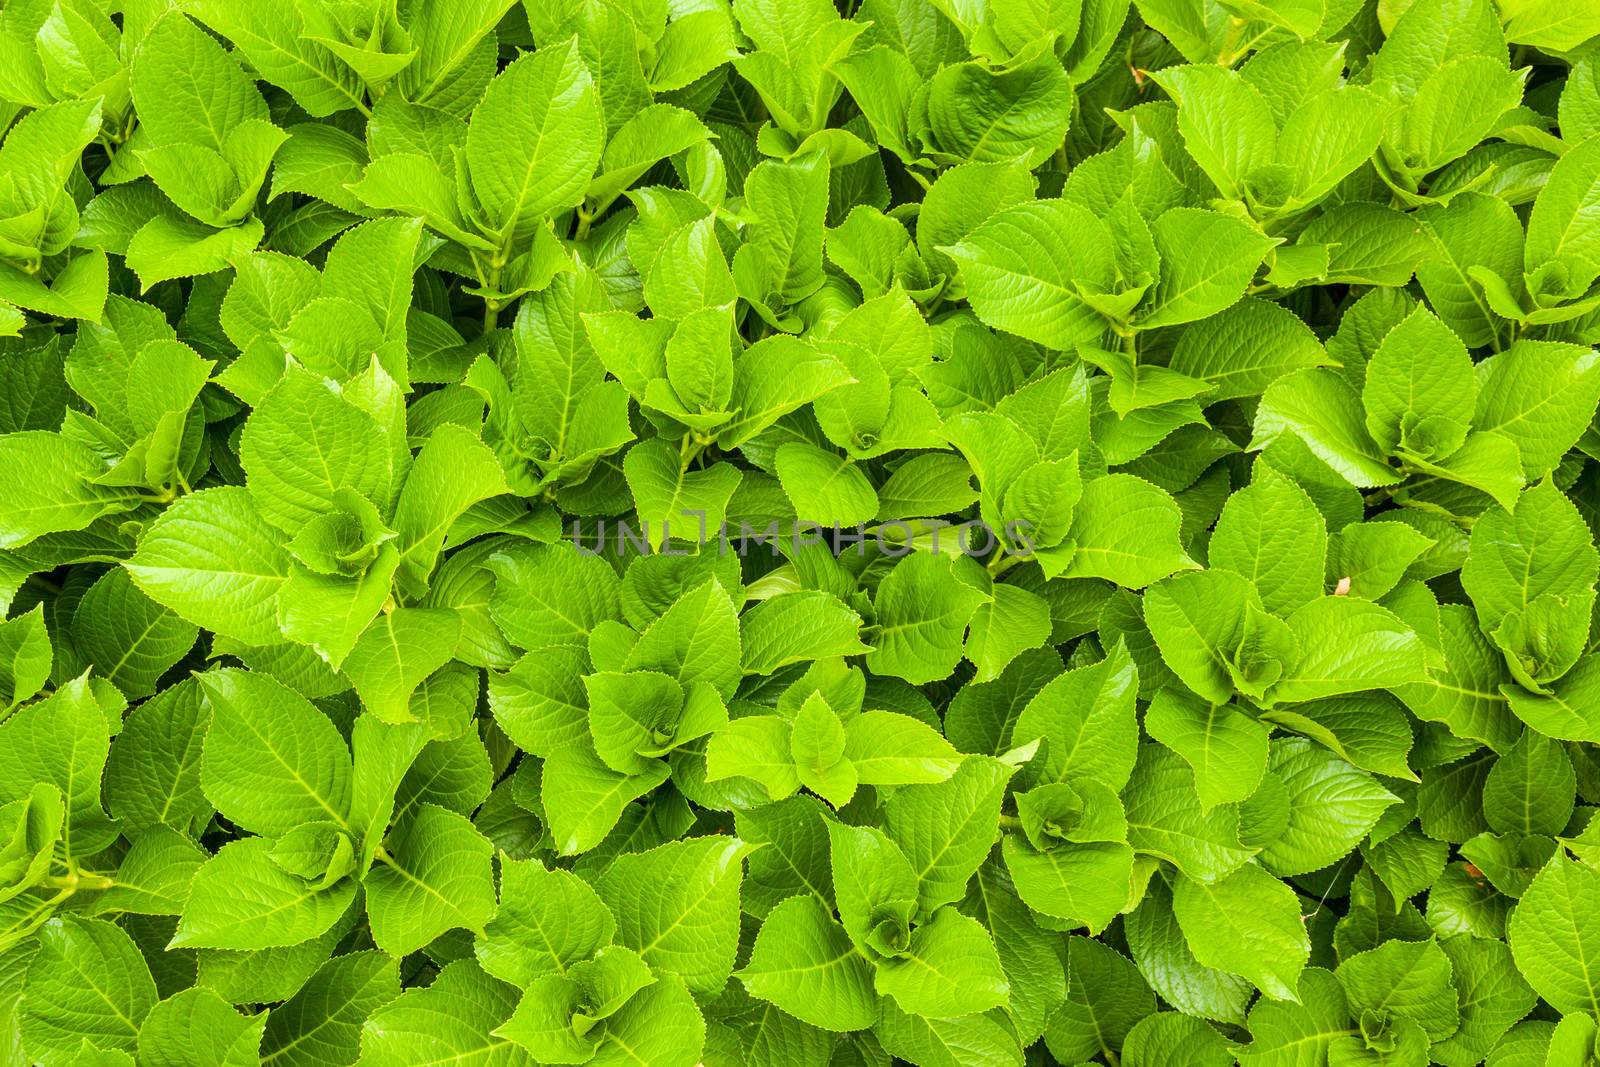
point(781, 533)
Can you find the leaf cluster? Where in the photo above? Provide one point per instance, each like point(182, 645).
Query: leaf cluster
point(389, 391)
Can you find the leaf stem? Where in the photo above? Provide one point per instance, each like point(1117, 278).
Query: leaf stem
point(688, 451)
point(1002, 562)
point(74, 881)
point(1229, 42)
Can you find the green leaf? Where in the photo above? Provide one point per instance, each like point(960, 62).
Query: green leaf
point(453, 1019)
point(1083, 884)
point(25, 656)
point(196, 1026)
point(170, 246)
point(694, 640)
point(1214, 635)
point(187, 88)
point(49, 484)
point(949, 968)
point(62, 740)
point(1272, 533)
point(1015, 621)
point(127, 637)
point(584, 798)
point(1246, 347)
point(1454, 108)
point(272, 760)
point(433, 876)
point(242, 899)
point(214, 561)
point(534, 141)
point(922, 611)
point(1195, 286)
point(1225, 747)
point(678, 906)
point(1531, 787)
point(1226, 124)
point(547, 921)
point(817, 743)
point(1332, 805)
point(1247, 924)
point(545, 596)
point(984, 115)
point(1407, 980)
point(673, 502)
point(1106, 997)
point(1346, 645)
point(652, 134)
point(1419, 389)
point(1281, 1032)
point(1087, 721)
point(396, 653)
point(1472, 232)
point(1490, 992)
point(1125, 530)
point(887, 748)
point(1374, 556)
point(1552, 931)
point(781, 262)
point(453, 471)
point(1540, 394)
point(87, 980)
point(1321, 411)
point(1165, 820)
point(805, 964)
point(1531, 580)
point(1025, 269)
point(1547, 25)
point(943, 828)
point(153, 774)
point(1557, 230)
point(323, 1020)
point(1162, 954)
point(303, 443)
point(796, 627)
point(825, 488)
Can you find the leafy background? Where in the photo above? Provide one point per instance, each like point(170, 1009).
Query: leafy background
point(1275, 741)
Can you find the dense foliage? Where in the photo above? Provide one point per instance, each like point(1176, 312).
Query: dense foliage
point(358, 352)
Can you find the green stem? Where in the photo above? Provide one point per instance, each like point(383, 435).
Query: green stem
point(1250, 45)
point(75, 880)
point(688, 451)
point(1001, 563)
point(1232, 50)
point(1225, 54)
point(490, 281)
